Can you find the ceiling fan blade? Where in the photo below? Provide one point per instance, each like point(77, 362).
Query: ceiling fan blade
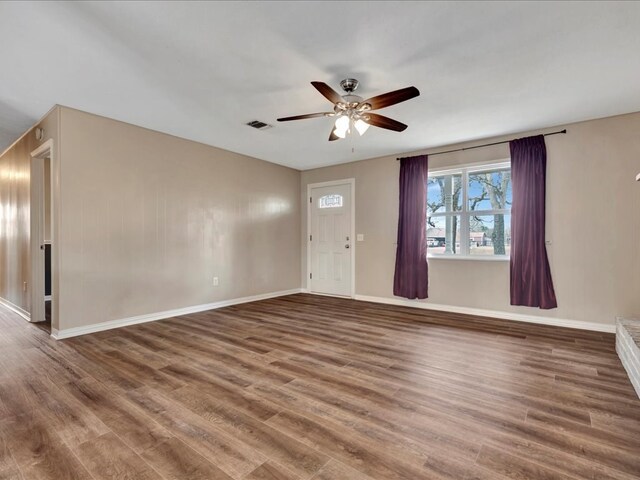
point(391, 98)
point(328, 92)
point(302, 117)
point(384, 122)
point(333, 136)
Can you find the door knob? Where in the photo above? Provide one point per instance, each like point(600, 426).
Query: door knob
point(346, 246)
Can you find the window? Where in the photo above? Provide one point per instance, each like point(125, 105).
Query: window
point(472, 203)
point(330, 201)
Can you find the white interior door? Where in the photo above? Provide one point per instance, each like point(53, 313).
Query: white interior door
point(330, 240)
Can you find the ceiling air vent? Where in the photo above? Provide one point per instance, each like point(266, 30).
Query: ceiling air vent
point(259, 125)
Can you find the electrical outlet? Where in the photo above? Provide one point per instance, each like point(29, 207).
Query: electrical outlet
point(360, 237)
point(216, 281)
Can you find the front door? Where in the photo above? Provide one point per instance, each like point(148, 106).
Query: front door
point(330, 240)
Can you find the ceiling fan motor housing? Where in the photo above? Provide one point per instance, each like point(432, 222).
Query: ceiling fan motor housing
point(349, 84)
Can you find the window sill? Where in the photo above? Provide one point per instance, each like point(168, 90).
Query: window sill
point(475, 258)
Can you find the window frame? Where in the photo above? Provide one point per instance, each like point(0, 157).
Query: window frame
point(465, 214)
point(336, 205)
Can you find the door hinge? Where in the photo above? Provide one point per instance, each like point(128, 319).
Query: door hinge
point(310, 238)
point(311, 276)
point(310, 199)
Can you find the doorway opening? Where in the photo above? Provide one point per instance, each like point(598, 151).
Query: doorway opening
point(42, 230)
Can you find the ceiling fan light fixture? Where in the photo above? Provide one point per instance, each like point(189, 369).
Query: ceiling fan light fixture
point(361, 126)
point(340, 133)
point(342, 123)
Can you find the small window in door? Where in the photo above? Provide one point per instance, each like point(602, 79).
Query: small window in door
point(330, 201)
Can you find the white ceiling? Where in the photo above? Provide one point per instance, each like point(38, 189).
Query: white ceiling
point(201, 70)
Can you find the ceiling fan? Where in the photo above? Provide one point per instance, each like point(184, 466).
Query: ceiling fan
point(353, 111)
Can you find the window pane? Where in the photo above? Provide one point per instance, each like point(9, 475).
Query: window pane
point(443, 235)
point(444, 193)
point(330, 201)
point(490, 235)
point(490, 190)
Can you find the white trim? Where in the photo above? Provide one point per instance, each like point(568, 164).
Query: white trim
point(330, 183)
point(42, 150)
point(352, 184)
point(465, 226)
point(152, 317)
point(332, 295)
point(16, 309)
point(518, 317)
point(484, 258)
point(473, 167)
point(480, 213)
point(38, 157)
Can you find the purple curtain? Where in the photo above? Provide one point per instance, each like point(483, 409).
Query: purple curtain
point(411, 277)
point(531, 283)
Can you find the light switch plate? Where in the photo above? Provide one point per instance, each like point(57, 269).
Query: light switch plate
point(360, 237)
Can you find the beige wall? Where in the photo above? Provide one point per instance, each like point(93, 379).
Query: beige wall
point(148, 219)
point(15, 213)
point(593, 221)
point(145, 220)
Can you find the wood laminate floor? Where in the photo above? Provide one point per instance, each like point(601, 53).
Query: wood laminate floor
point(306, 387)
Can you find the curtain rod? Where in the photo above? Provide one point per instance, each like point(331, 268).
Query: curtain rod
point(488, 144)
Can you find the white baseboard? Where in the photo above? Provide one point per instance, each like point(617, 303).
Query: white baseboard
point(152, 317)
point(16, 309)
point(518, 317)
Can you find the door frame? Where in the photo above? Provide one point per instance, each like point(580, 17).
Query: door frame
point(352, 186)
point(38, 156)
